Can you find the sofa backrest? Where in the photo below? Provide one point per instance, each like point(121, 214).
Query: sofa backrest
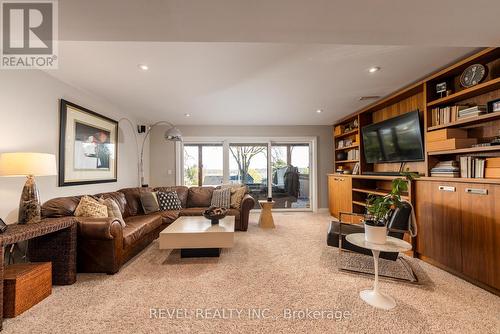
point(60, 207)
point(199, 197)
point(133, 198)
point(182, 192)
point(118, 197)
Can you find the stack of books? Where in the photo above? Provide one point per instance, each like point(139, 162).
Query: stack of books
point(448, 168)
point(492, 168)
point(445, 115)
point(353, 155)
point(471, 167)
point(472, 111)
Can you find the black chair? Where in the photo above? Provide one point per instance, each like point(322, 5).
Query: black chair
point(398, 225)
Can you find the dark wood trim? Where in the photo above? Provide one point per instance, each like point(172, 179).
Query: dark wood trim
point(63, 111)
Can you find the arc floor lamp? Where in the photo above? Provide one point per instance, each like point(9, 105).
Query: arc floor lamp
point(172, 134)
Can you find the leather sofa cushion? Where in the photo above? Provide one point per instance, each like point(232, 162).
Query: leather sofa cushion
point(182, 193)
point(60, 207)
point(199, 197)
point(138, 226)
point(133, 197)
point(168, 216)
point(116, 196)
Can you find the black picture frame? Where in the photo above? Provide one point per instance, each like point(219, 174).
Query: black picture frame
point(491, 104)
point(63, 148)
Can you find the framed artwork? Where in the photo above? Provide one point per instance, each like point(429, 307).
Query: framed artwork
point(88, 146)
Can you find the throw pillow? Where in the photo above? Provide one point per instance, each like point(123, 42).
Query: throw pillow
point(113, 209)
point(168, 201)
point(221, 198)
point(89, 207)
point(149, 202)
point(238, 191)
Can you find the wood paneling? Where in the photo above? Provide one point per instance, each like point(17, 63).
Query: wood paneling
point(481, 233)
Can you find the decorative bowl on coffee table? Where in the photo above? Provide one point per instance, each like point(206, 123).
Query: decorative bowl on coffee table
point(214, 214)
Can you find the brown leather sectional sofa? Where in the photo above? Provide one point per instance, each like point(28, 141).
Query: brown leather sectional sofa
point(104, 245)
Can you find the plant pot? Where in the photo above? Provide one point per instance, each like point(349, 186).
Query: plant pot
point(375, 234)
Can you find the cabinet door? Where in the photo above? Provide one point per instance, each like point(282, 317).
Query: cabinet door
point(480, 205)
point(437, 209)
point(345, 194)
point(333, 188)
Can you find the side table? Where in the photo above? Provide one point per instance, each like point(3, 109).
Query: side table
point(50, 240)
point(375, 297)
point(266, 215)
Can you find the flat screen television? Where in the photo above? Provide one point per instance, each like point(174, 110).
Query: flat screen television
point(398, 139)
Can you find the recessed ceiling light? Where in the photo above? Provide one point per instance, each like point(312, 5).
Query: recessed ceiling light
point(319, 111)
point(143, 67)
point(187, 115)
point(374, 69)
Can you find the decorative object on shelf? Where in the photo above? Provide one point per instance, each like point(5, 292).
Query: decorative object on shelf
point(473, 75)
point(88, 146)
point(269, 199)
point(340, 170)
point(355, 170)
point(3, 226)
point(379, 209)
point(441, 88)
point(496, 140)
point(494, 105)
point(28, 165)
point(340, 156)
point(215, 214)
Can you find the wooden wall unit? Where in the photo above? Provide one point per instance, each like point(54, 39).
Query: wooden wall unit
point(459, 230)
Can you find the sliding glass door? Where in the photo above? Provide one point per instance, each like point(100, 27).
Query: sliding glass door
point(291, 167)
point(248, 166)
point(278, 169)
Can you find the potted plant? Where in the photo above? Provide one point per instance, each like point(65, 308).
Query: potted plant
point(379, 209)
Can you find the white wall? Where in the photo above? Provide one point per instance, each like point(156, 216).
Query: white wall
point(29, 118)
point(163, 154)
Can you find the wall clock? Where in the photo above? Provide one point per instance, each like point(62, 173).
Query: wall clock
point(472, 75)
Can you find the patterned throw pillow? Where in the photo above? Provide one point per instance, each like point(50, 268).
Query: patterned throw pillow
point(168, 200)
point(221, 198)
point(89, 207)
point(238, 191)
point(113, 209)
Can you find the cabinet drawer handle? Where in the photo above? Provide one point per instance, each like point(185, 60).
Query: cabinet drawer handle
point(447, 188)
point(476, 191)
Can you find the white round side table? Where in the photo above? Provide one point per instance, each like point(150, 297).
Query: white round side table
point(375, 297)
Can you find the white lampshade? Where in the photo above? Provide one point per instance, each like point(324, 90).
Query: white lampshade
point(24, 164)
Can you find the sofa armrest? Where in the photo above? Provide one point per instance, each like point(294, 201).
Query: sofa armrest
point(99, 228)
point(247, 204)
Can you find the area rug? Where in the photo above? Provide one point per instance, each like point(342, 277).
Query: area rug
point(283, 280)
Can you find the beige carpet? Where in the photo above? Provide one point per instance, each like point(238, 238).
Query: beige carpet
point(289, 268)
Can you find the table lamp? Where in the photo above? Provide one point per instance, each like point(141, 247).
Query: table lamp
point(29, 165)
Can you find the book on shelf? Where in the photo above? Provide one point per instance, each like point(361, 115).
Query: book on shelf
point(448, 168)
point(471, 167)
point(353, 154)
point(450, 114)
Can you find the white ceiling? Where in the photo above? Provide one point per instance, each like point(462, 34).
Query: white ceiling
point(243, 83)
point(261, 62)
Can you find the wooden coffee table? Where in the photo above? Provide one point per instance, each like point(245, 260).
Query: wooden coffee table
point(195, 236)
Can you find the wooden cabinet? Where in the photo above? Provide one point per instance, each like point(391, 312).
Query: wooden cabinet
point(459, 228)
point(437, 209)
point(339, 194)
point(480, 211)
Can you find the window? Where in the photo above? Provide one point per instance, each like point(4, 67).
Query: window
point(286, 174)
point(203, 165)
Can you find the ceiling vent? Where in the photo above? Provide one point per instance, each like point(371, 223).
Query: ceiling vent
point(371, 97)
